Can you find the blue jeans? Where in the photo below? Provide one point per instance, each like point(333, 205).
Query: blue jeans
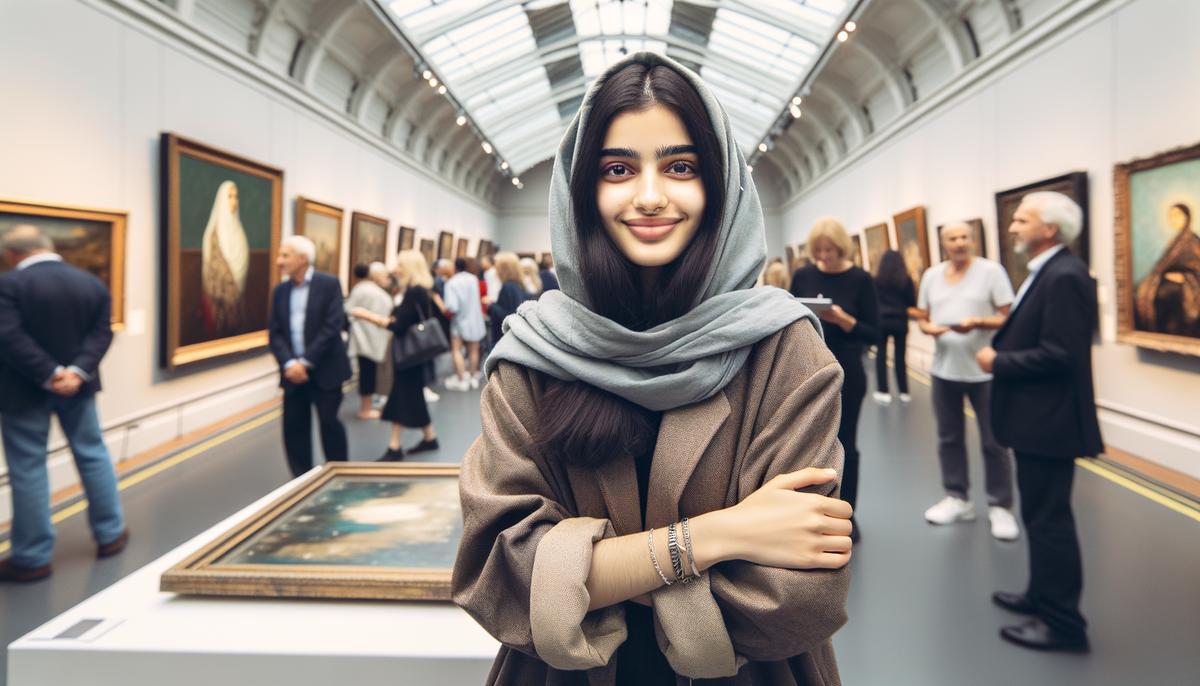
point(25, 436)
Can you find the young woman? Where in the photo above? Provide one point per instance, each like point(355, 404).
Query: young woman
point(406, 406)
point(896, 295)
point(850, 325)
point(657, 385)
point(510, 295)
point(776, 275)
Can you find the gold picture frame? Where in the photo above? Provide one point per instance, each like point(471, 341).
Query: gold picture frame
point(306, 518)
point(195, 183)
point(368, 241)
point(408, 237)
point(445, 246)
point(878, 241)
point(322, 224)
point(427, 251)
point(1142, 303)
point(912, 240)
point(461, 249)
point(74, 223)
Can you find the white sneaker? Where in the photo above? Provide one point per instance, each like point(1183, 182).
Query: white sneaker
point(882, 398)
point(905, 398)
point(430, 396)
point(1004, 524)
point(473, 382)
point(949, 510)
point(454, 383)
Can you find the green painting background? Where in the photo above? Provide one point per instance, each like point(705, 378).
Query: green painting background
point(1151, 193)
point(198, 184)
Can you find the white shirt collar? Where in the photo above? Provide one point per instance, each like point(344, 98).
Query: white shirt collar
point(1035, 265)
point(39, 258)
point(308, 276)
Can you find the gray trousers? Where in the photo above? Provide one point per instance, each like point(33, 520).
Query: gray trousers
point(948, 409)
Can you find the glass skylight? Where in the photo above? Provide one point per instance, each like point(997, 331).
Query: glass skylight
point(495, 64)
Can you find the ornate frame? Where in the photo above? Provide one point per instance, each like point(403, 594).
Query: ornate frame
point(355, 219)
point(445, 246)
point(408, 238)
point(304, 206)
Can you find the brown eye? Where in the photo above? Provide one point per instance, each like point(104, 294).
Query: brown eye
point(616, 170)
point(681, 168)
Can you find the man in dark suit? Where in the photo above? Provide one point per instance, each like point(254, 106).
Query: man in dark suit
point(54, 329)
point(307, 319)
point(1044, 408)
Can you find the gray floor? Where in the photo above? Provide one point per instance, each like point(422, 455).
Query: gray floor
point(919, 601)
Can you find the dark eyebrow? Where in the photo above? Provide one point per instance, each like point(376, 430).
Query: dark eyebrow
point(665, 151)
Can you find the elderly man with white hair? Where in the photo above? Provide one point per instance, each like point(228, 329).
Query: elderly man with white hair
point(305, 335)
point(963, 301)
point(369, 344)
point(1044, 408)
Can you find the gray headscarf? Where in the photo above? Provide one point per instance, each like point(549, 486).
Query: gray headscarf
point(676, 363)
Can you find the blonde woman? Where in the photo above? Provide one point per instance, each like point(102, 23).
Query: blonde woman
point(406, 406)
point(850, 326)
point(776, 275)
point(512, 291)
point(531, 277)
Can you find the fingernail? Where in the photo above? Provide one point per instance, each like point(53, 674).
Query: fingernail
point(831, 471)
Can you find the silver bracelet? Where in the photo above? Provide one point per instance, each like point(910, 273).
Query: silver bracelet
point(676, 557)
point(654, 558)
point(687, 543)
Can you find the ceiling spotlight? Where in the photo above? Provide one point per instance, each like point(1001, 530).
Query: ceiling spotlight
point(462, 119)
point(850, 26)
point(442, 89)
point(797, 100)
point(427, 75)
point(516, 181)
point(842, 36)
point(433, 82)
point(487, 147)
point(795, 112)
point(762, 147)
point(504, 166)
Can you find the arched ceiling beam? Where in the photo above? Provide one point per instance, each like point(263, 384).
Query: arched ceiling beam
point(267, 16)
point(850, 111)
point(824, 131)
point(452, 23)
point(327, 20)
point(379, 63)
point(420, 118)
point(411, 102)
point(520, 110)
point(886, 66)
point(947, 34)
point(452, 141)
point(790, 166)
point(428, 129)
point(456, 144)
point(1009, 12)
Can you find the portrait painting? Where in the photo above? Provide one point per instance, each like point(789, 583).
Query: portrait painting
point(878, 242)
point(1073, 185)
point(856, 251)
point(789, 254)
point(913, 242)
point(977, 234)
point(322, 224)
point(1158, 251)
point(484, 249)
point(91, 239)
point(462, 248)
point(408, 238)
point(368, 241)
point(378, 531)
point(427, 249)
point(445, 250)
point(220, 234)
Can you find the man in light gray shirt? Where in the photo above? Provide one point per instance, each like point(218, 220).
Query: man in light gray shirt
point(964, 300)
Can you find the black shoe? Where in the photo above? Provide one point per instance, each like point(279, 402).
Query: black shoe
point(424, 446)
point(110, 549)
point(11, 571)
point(1014, 602)
point(1035, 634)
point(393, 455)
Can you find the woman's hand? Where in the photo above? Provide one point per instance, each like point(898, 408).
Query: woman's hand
point(777, 527)
point(838, 317)
point(930, 329)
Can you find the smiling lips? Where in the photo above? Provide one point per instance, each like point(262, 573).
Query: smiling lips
point(652, 229)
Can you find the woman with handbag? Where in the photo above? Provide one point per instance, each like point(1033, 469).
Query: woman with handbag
point(414, 345)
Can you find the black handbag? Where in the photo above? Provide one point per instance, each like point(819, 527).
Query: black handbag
point(421, 343)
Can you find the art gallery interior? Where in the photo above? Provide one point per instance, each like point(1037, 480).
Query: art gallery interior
point(374, 126)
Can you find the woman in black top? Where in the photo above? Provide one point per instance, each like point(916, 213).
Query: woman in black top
point(511, 295)
point(406, 403)
point(896, 295)
point(851, 324)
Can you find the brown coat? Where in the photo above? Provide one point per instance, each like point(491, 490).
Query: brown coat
point(530, 525)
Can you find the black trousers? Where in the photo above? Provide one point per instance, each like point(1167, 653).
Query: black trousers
point(899, 338)
point(298, 403)
point(367, 369)
point(854, 388)
point(1055, 567)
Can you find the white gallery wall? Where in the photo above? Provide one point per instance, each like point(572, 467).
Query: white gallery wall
point(88, 89)
point(1123, 82)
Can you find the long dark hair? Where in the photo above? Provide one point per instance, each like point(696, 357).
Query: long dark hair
point(892, 273)
point(578, 422)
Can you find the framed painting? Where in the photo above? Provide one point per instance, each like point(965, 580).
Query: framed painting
point(1073, 185)
point(349, 530)
point(90, 239)
point(977, 232)
point(322, 224)
point(1157, 251)
point(856, 251)
point(427, 248)
point(878, 242)
point(913, 242)
point(368, 241)
point(461, 249)
point(789, 254)
point(221, 223)
point(527, 255)
point(484, 249)
point(445, 248)
point(408, 238)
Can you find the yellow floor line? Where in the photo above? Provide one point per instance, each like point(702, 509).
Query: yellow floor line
point(159, 467)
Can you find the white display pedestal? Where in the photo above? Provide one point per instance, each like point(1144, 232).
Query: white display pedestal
point(136, 636)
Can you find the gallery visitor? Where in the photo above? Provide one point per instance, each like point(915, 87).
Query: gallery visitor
point(467, 327)
point(631, 474)
point(369, 344)
point(896, 295)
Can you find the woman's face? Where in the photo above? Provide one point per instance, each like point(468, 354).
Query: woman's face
point(826, 254)
point(649, 194)
point(1176, 218)
point(233, 198)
